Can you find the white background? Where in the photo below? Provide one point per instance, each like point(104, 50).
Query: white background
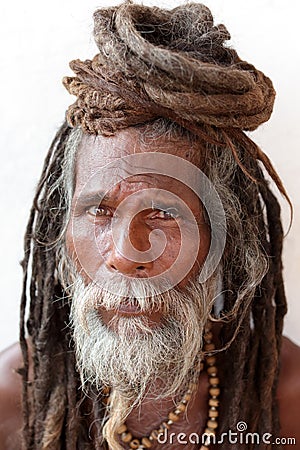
point(38, 39)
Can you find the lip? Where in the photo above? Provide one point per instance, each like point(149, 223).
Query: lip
point(129, 309)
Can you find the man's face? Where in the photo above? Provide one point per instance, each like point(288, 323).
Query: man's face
point(132, 221)
point(138, 239)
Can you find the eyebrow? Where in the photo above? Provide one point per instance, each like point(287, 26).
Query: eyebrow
point(158, 201)
point(166, 204)
point(90, 198)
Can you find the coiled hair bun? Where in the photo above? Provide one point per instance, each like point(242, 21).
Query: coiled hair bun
point(155, 62)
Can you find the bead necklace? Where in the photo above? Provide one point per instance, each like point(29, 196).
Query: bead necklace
point(174, 416)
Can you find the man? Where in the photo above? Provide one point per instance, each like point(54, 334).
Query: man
point(153, 254)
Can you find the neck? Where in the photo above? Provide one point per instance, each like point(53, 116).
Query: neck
point(160, 419)
point(150, 414)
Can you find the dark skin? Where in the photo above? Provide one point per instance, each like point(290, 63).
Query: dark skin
point(80, 239)
point(288, 395)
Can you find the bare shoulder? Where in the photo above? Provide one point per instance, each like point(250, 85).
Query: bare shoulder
point(10, 398)
point(289, 390)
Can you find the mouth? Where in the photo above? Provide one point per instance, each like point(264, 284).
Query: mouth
point(130, 308)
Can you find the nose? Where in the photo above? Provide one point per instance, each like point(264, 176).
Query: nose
point(121, 256)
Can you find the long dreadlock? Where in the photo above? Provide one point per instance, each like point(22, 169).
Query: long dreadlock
point(134, 81)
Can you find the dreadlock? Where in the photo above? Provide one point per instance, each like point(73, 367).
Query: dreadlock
point(169, 69)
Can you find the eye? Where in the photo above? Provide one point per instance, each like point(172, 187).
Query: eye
point(165, 214)
point(99, 212)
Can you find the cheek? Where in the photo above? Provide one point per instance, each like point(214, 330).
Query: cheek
point(172, 249)
point(192, 244)
point(86, 247)
point(183, 257)
point(199, 249)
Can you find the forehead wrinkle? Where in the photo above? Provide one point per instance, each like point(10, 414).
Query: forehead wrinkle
point(134, 143)
point(95, 152)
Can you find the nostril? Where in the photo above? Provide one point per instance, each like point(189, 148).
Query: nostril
point(137, 268)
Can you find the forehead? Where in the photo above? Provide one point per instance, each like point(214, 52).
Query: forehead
point(105, 156)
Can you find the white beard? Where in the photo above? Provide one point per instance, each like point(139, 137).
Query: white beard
point(136, 358)
point(136, 355)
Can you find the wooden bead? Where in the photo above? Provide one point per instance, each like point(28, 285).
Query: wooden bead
point(209, 431)
point(181, 407)
point(122, 429)
point(146, 443)
point(135, 443)
point(212, 413)
point(207, 441)
point(214, 391)
point(208, 336)
point(212, 424)
point(213, 402)
point(172, 416)
point(165, 426)
point(154, 434)
point(209, 347)
point(126, 437)
point(214, 380)
point(160, 430)
point(211, 370)
point(204, 447)
point(211, 360)
point(187, 397)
